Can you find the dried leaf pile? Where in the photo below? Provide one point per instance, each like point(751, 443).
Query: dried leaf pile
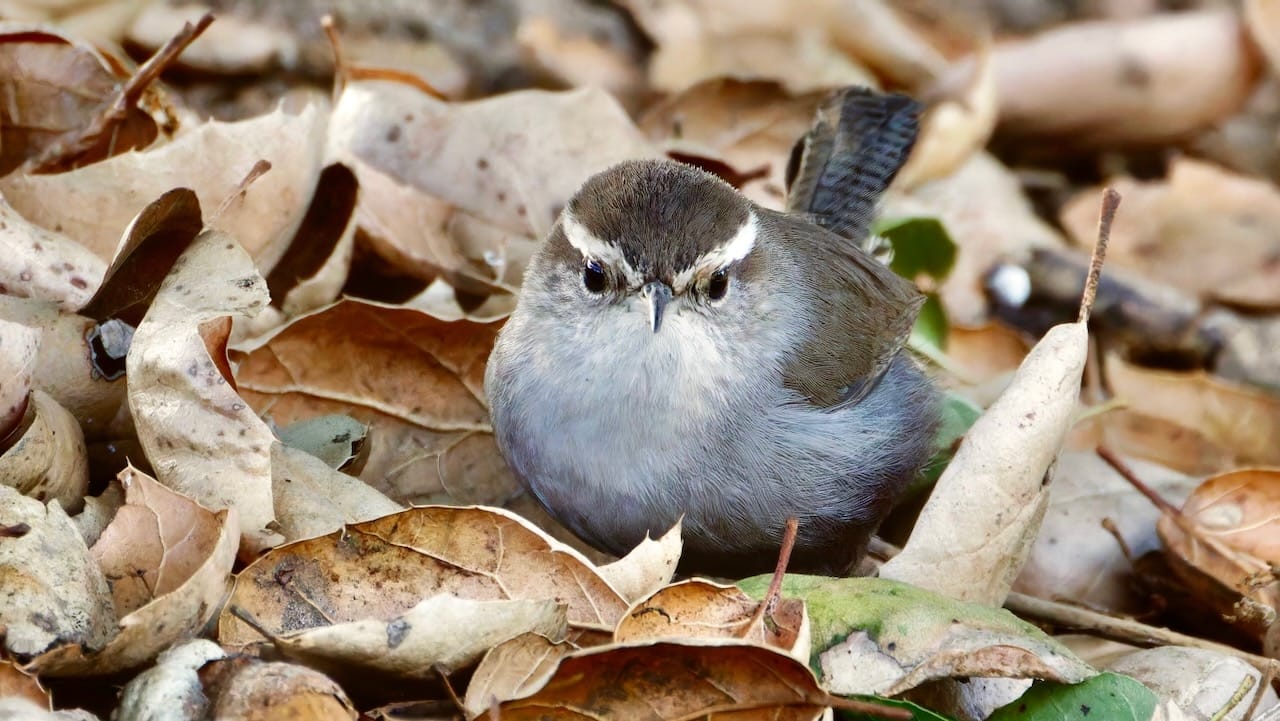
point(254, 263)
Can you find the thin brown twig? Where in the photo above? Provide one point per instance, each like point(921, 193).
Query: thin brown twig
point(1110, 202)
point(1268, 676)
point(79, 142)
point(448, 688)
point(866, 707)
point(340, 73)
point(259, 169)
point(1127, 473)
point(770, 600)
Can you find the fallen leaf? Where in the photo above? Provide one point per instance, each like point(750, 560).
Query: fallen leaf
point(382, 568)
point(314, 266)
point(513, 669)
point(955, 128)
point(54, 591)
point(1159, 440)
point(670, 680)
point(19, 346)
point(172, 683)
point(875, 636)
point(337, 440)
point(48, 461)
point(701, 609)
point(245, 689)
point(984, 514)
point(312, 499)
point(168, 561)
point(1242, 510)
point(442, 633)
point(1111, 695)
point(1202, 683)
point(17, 684)
point(415, 380)
point(201, 437)
point(44, 265)
point(648, 567)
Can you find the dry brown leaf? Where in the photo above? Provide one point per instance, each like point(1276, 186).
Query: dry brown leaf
point(246, 689)
point(92, 204)
point(19, 346)
point(1262, 19)
point(380, 569)
point(65, 367)
point(983, 358)
point(442, 633)
point(978, 527)
point(16, 683)
point(312, 499)
point(1074, 556)
point(1204, 684)
point(172, 683)
point(513, 669)
point(1242, 510)
point(579, 60)
point(38, 263)
point(986, 213)
point(955, 128)
point(168, 561)
point(1159, 440)
point(56, 85)
point(748, 124)
point(416, 380)
point(1173, 232)
point(1121, 81)
point(648, 567)
point(667, 680)
point(48, 462)
point(98, 512)
point(54, 590)
point(201, 437)
point(701, 609)
point(512, 160)
point(1241, 419)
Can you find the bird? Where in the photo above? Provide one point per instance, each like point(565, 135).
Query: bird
point(681, 353)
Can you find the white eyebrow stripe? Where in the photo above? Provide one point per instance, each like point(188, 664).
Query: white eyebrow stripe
point(735, 249)
point(594, 248)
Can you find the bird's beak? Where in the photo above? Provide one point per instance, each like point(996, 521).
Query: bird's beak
point(657, 294)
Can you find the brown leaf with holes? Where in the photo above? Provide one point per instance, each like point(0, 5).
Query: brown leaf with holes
point(380, 569)
point(420, 388)
point(701, 609)
point(669, 680)
point(168, 561)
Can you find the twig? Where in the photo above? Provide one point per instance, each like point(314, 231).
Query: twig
point(1110, 202)
point(259, 169)
point(80, 142)
point(1122, 629)
point(340, 75)
point(1268, 675)
point(866, 707)
point(770, 600)
point(448, 688)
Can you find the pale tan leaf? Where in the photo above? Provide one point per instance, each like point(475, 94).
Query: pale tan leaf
point(1199, 682)
point(242, 689)
point(19, 346)
point(48, 462)
point(513, 669)
point(41, 264)
point(172, 683)
point(312, 499)
point(954, 129)
point(648, 567)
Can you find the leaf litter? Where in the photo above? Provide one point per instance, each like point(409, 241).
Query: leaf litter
point(381, 238)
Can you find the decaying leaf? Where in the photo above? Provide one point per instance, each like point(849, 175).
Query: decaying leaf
point(985, 512)
point(1242, 510)
point(1202, 683)
point(417, 381)
point(702, 609)
point(955, 128)
point(648, 567)
point(17, 684)
point(513, 669)
point(442, 633)
point(41, 264)
point(380, 569)
point(670, 680)
point(171, 684)
point(1158, 440)
point(242, 689)
point(19, 345)
point(168, 561)
point(201, 437)
point(875, 636)
point(48, 461)
point(312, 499)
point(54, 591)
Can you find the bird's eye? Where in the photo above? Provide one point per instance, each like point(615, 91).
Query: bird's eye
point(718, 285)
point(593, 276)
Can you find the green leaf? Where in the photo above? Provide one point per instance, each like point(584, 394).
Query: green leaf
point(931, 326)
point(1109, 696)
point(918, 713)
point(920, 246)
point(334, 439)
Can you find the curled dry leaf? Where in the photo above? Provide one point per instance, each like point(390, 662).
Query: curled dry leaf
point(44, 265)
point(1074, 556)
point(19, 345)
point(1202, 683)
point(648, 567)
point(512, 160)
point(312, 499)
point(380, 569)
point(955, 128)
point(1159, 440)
point(1123, 81)
point(1242, 510)
point(415, 380)
point(985, 512)
point(56, 86)
point(54, 591)
point(64, 366)
point(169, 563)
point(442, 633)
point(1173, 229)
point(48, 461)
point(874, 636)
point(172, 683)
point(244, 689)
point(91, 204)
point(667, 680)
point(1243, 420)
point(201, 437)
point(701, 609)
point(16, 683)
point(513, 669)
